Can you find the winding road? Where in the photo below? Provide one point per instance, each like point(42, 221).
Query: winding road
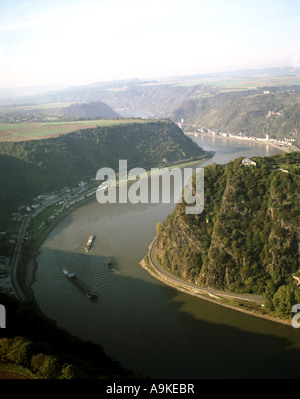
point(195, 289)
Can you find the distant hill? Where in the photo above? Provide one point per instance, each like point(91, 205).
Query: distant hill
point(29, 168)
point(157, 98)
point(275, 112)
point(62, 111)
point(97, 109)
point(131, 99)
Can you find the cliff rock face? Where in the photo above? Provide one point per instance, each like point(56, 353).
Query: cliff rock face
point(247, 236)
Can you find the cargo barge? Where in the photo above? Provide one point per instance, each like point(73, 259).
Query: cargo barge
point(89, 243)
point(80, 284)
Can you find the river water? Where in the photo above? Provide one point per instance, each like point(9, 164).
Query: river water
point(147, 326)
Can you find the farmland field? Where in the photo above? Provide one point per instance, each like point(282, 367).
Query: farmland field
point(46, 106)
point(34, 131)
point(246, 83)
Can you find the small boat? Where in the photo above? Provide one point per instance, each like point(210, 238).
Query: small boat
point(109, 262)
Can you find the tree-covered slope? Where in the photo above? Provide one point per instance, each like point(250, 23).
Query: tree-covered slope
point(97, 109)
point(30, 168)
point(247, 237)
point(256, 113)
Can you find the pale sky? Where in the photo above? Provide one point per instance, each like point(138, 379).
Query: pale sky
point(66, 42)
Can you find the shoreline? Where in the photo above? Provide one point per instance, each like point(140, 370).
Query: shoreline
point(32, 264)
point(248, 140)
point(206, 297)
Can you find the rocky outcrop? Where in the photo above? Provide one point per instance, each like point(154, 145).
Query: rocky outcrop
point(248, 233)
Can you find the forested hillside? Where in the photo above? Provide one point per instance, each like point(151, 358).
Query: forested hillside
point(56, 112)
point(88, 110)
point(30, 168)
point(256, 113)
point(247, 238)
point(130, 99)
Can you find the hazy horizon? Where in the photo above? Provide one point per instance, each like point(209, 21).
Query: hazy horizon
point(213, 75)
point(79, 42)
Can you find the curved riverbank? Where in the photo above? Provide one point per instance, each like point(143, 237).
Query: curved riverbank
point(32, 265)
point(28, 277)
point(145, 324)
point(278, 146)
point(215, 296)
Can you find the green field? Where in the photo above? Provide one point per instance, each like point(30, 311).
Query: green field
point(46, 106)
point(33, 131)
point(243, 83)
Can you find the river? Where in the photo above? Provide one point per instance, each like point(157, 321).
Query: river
point(147, 326)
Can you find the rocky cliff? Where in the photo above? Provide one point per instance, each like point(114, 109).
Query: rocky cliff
point(247, 237)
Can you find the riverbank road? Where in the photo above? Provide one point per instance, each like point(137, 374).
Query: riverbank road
point(15, 260)
point(193, 288)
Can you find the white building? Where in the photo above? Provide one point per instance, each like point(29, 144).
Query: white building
point(248, 162)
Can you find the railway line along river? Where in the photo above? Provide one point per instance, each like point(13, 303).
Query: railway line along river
point(146, 325)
